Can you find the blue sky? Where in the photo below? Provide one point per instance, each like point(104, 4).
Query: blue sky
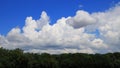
point(60, 26)
point(14, 12)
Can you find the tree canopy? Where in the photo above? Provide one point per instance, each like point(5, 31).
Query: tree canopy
point(18, 59)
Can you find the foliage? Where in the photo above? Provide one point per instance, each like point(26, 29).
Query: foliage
point(18, 59)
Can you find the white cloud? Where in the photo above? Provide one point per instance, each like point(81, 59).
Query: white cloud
point(81, 19)
point(98, 43)
point(32, 27)
point(109, 25)
point(43, 20)
point(58, 51)
point(68, 35)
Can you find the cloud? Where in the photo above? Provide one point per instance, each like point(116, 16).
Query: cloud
point(81, 19)
point(43, 20)
point(59, 51)
point(68, 35)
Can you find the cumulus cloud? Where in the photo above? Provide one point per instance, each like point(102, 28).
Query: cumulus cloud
point(81, 19)
point(44, 19)
point(68, 35)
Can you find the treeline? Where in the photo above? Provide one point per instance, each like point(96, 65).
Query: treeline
point(18, 59)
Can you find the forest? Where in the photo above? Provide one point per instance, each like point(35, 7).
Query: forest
point(18, 59)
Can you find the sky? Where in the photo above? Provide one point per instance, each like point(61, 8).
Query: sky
point(60, 26)
point(14, 12)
